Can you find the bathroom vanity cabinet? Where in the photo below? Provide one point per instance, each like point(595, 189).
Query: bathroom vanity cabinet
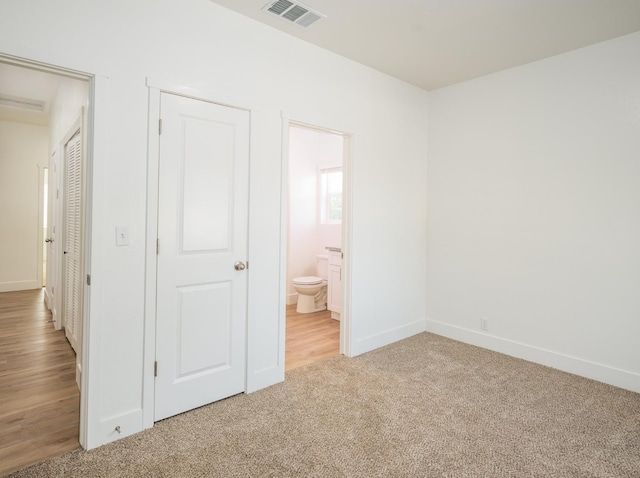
point(334, 284)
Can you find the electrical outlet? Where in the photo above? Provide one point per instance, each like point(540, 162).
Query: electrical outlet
point(484, 323)
point(122, 236)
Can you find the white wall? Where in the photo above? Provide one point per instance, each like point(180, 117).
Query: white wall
point(534, 211)
point(72, 95)
point(308, 150)
point(199, 44)
point(24, 152)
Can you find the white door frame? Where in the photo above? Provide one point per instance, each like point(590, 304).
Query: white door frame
point(156, 88)
point(96, 152)
point(41, 214)
point(52, 267)
point(288, 120)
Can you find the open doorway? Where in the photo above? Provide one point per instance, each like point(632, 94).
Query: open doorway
point(316, 225)
point(38, 367)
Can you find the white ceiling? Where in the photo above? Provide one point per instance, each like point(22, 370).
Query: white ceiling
point(428, 43)
point(435, 43)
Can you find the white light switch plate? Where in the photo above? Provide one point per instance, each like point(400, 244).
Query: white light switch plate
point(122, 236)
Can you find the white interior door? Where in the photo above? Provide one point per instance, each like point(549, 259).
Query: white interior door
point(72, 254)
point(202, 242)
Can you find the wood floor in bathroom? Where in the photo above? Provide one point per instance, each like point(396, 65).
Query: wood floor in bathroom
point(310, 337)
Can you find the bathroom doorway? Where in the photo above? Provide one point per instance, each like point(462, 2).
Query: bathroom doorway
point(315, 251)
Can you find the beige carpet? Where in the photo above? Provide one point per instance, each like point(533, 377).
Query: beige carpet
point(427, 406)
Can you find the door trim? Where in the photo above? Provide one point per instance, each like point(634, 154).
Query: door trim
point(156, 87)
point(96, 152)
point(41, 213)
point(346, 320)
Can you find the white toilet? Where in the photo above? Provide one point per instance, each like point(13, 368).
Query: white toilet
point(312, 290)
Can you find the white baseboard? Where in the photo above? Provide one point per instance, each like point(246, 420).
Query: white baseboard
point(113, 428)
point(19, 285)
point(56, 319)
point(265, 378)
point(292, 299)
point(387, 337)
point(577, 366)
point(47, 299)
point(78, 374)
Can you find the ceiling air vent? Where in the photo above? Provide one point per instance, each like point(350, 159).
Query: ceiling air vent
point(294, 12)
point(24, 103)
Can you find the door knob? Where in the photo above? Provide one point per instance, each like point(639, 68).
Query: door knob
point(239, 266)
point(48, 239)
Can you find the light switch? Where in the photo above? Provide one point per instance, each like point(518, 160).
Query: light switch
point(122, 236)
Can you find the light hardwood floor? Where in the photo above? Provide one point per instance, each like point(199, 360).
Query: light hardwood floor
point(39, 416)
point(310, 337)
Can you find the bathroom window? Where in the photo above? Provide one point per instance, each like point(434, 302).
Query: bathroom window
point(331, 195)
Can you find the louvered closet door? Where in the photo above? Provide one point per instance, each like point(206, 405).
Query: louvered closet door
point(72, 239)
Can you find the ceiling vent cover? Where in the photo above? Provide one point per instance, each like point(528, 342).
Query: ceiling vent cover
point(20, 102)
point(293, 12)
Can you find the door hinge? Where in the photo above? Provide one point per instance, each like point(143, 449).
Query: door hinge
point(155, 368)
point(88, 279)
point(160, 126)
point(157, 246)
